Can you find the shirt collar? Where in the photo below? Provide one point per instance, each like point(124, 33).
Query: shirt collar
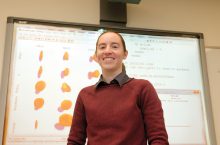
point(120, 79)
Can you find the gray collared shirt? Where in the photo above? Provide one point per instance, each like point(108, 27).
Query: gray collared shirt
point(120, 79)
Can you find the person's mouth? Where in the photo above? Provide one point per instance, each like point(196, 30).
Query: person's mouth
point(108, 58)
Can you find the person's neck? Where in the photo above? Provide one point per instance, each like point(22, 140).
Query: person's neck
point(108, 76)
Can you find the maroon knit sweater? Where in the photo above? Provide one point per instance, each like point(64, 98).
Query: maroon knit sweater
point(130, 114)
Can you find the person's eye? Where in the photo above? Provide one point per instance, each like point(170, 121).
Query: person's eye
point(101, 46)
point(115, 46)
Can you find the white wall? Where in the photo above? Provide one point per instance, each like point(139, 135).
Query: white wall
point(180, 15)
point(213, 62)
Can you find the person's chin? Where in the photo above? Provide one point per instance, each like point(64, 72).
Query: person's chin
point(108, 67)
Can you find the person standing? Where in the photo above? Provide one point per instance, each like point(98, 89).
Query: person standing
point(117, 110)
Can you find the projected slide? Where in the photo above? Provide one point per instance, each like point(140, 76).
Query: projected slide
point(50, 65)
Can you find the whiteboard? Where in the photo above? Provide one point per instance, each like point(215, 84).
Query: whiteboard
point(48, 65)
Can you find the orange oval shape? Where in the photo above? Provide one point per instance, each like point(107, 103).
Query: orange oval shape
point(38, 103)
point(40, 86)
point(41, 55)
point(39, 72)
point(65, 119)
point(66, 104)
point(65, 87)
point(66, 56)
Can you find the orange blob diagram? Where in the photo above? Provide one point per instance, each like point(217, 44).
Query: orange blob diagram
point(66, 104)
point(41, 55)
point(38, 103)
point(65, 120)
point(196, 91)
point(66, 56)
point(94, 74)
point(65, 87)
point(65, 72)
point(39, 86)
point(91, 58)
point(39, 72)
point(36, 124)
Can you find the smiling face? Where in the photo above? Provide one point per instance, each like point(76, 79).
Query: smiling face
point(110, 52)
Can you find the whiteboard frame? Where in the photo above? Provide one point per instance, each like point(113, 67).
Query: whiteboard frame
point(8, 51)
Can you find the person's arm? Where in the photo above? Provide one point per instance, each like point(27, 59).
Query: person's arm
point(77, 134)
point(153, 117)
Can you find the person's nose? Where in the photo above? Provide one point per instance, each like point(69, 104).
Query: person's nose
point(108, 50)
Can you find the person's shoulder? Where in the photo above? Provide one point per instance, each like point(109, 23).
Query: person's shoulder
point(141, 84)
point(87, 89)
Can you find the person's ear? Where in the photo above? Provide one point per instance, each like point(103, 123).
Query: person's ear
point(125, 55)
